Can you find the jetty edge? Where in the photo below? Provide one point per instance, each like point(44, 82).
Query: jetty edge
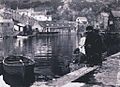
point(68, 78)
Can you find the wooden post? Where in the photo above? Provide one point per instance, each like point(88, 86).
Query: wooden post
point(47, 29)
point(23, 74)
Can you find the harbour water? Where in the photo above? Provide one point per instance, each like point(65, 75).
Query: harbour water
point(52, 54)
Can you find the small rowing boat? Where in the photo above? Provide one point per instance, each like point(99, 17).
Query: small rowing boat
point(18, 65)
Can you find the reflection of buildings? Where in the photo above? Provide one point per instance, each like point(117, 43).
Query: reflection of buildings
point(8, 45)
point(51, 53)
point(6, 27)
point(23, 47)
point(1, 47)
point(19, 45)
point(43, 46)
point(33, 46)
point(6, 23)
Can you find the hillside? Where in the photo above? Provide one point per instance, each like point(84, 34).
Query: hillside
point(65, 9)
point(25, 3)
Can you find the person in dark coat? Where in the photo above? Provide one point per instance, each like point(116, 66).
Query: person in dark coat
point(93, 47)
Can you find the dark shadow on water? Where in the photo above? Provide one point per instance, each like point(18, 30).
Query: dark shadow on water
point(1, 68)
point(1, 65)
point(60, 65)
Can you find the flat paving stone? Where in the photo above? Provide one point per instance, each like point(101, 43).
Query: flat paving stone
point(109, 74)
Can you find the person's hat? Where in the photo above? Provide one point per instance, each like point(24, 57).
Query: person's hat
point(89, 28)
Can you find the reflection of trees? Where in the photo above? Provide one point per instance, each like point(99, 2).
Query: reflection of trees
point(1, 48)
point(8, 46)
point(42, 46)
point(60, 65)
point(62, 50)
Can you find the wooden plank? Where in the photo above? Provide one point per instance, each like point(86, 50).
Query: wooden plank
point(71, 76)
point(114, 55)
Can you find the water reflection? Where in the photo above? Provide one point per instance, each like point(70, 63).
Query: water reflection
point(52, 55)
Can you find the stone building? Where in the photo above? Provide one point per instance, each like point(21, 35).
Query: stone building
point(81, 23)
point(103, 20)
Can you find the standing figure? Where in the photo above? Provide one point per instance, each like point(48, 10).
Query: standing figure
point(93, 47)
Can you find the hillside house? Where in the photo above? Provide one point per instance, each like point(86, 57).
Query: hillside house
point(103, 20)
point(38, 15)
point(81, 23)
point(37, 26)
point(82, 20)
point(41, 17)
point(18, 27)
point(61, 27)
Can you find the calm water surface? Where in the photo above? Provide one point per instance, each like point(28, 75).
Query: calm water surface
point(52, 55)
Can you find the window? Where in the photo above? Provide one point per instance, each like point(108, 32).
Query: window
point(111, 22)
point(47, 24)
point(51, 24)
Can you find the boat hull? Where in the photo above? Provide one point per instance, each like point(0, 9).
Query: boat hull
point(46, 33)
point(18, 73)
point(18, 68)
point(22, 37)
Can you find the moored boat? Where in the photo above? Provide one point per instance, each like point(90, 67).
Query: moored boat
point(23, 37)
point(18, 65)
point(47, 33)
